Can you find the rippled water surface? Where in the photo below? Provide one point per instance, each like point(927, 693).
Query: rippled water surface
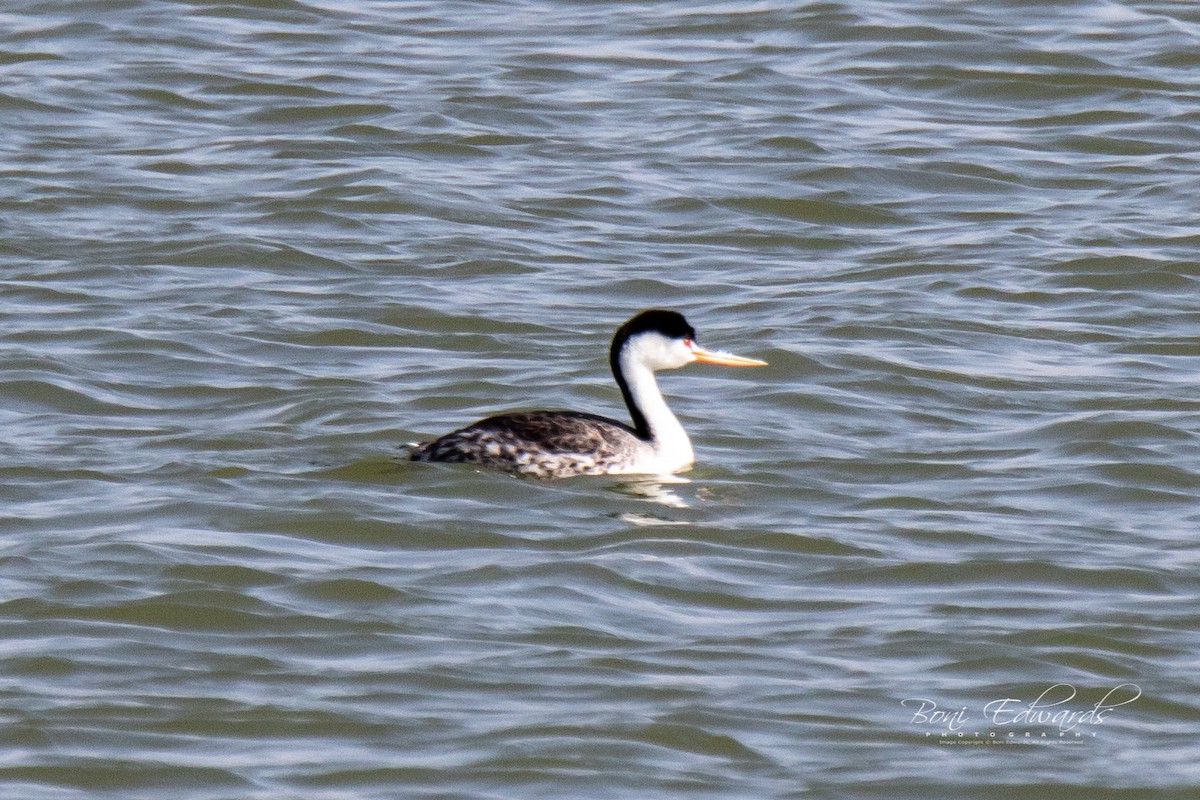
point(250, 248)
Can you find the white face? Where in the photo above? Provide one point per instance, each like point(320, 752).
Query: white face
point(659, 352)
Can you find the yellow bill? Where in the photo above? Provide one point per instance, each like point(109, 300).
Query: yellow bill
point(706, 356)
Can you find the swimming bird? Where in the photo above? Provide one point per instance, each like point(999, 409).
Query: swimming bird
point(559, 444)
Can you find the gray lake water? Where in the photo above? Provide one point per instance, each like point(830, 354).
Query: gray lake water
point(944, 546)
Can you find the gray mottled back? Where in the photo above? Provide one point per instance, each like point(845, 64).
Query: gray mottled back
point(543, 444)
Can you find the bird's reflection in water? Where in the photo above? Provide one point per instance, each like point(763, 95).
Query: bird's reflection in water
point(655, 490)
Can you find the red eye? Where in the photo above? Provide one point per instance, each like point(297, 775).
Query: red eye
point(687, 342)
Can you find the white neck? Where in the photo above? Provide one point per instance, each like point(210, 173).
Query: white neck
point(667, 437)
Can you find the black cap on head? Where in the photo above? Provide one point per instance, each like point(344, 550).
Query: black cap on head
point(669, 323)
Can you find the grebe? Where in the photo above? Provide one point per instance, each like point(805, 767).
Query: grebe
point(559, 444)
